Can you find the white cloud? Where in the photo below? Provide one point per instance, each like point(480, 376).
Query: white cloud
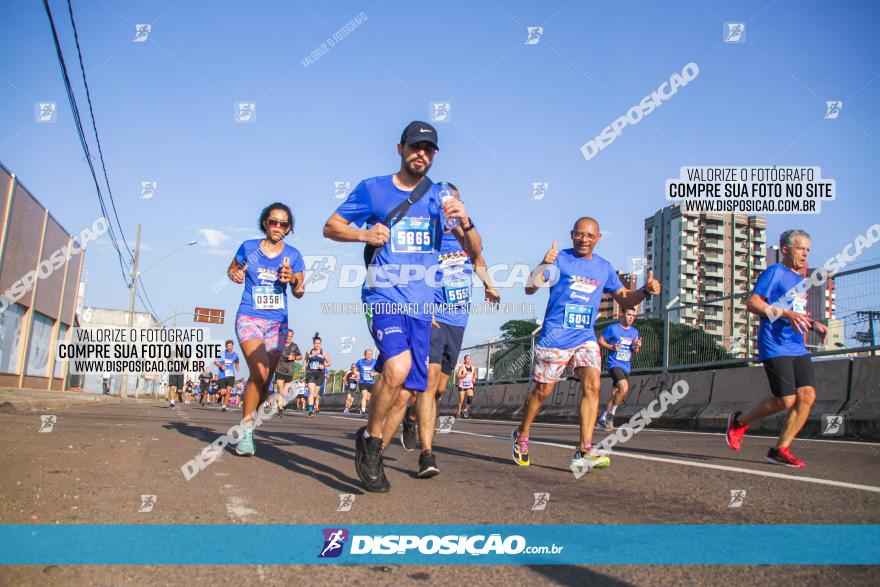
point(213, 238)
point(219, 252)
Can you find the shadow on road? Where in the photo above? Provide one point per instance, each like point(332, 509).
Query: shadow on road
point(267, 447)
point(571, 575)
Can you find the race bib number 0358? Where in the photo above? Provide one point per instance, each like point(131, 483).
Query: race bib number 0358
point(268, 297)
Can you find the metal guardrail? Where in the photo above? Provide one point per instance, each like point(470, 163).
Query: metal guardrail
point(688, 336)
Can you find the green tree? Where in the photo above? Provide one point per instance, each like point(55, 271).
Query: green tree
point(517, 329)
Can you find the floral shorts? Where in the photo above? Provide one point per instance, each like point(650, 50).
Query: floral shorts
point(272, 333)
point(550, 363)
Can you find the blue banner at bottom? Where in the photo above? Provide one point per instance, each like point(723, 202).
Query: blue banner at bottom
point(268, 544)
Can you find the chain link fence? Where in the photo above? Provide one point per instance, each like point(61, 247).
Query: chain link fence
point(713, 333)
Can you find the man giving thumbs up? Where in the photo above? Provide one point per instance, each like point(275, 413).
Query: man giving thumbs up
point(567, 336)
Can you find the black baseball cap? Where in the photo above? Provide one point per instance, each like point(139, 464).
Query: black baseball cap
point(418, 132)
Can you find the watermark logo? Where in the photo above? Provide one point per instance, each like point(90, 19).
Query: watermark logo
point(734, 32)
point(341, 189)
point(346, 344)
point(148, 189)
point(832, 425)
point(795, 298)
point(579, 467)
point(213, 451)
point(45, 112)
point(643, 417)
point(541, 501)
point(737, 497)
point(445, 424)
point(346, 501)
point(832, 109)
point(47, 423)
point(56, 260)
point(539, 190)
point(318, 271)
point(664, 92)
point(533, 35)
point(736, 344)
point(334, 540)
point(141, 32)
point(440, 112)
point(638, 265)
point(331, 41)
point(147, 503)
point(245, 112)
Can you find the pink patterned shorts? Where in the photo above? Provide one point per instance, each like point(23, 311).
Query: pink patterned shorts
point(272, 333)
point(550, 363)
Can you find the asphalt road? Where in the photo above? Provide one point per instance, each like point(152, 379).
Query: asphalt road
point(98, 460)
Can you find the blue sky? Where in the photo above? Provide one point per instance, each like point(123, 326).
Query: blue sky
point(520, 113)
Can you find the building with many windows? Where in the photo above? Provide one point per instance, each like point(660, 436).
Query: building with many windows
point(700, 257)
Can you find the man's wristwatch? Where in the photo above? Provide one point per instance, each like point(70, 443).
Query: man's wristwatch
point(470, 225)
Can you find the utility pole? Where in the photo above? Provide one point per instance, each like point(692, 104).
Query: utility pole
point(133, 291)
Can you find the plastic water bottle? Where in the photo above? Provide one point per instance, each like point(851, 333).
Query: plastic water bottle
point(446, 194)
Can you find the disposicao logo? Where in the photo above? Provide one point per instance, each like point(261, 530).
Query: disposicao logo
point(334, 541)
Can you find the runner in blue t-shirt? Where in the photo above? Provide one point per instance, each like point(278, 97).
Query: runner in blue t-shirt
point(622, 341)
point(397, 295)
point(567, 336)
point(780, 300)
point(365, 379)
point(265, 267)
point(227, 368)
point(453, 299)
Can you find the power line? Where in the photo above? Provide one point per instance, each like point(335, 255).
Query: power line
point(95, 127)
point(81, 134)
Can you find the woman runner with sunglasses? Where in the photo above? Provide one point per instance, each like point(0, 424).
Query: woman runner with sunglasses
point(265, 266)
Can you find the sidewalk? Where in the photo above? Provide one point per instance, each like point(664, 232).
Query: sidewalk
point(14, 399)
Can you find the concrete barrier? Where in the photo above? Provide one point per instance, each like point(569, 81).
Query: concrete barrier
point(738, 389)
point(684, 412)
point(862, 410)
point(850, 387)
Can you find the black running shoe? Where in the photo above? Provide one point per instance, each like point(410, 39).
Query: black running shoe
point(409, 436)
point(427, 466)
point(368, 463)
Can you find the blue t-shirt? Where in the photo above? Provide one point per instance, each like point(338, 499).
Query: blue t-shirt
point(228, 360)
point(625, 337)
point(778, 338)
point(415, 241)
point(574, 299)
point(365, 368)
point(264, 295)
point(455, 276)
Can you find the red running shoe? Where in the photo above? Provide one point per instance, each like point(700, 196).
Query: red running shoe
point(783, 456)
point(735, 433)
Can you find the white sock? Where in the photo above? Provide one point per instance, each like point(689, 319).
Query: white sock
point(613, 410)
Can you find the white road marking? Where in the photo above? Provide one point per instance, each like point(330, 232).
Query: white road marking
point(658, 431)
point(237, 509)
point(666, 431)
point(701, 465)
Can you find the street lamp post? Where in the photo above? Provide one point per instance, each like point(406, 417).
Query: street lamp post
point(135, 275)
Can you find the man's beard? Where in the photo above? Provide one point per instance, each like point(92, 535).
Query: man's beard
point(417, 171)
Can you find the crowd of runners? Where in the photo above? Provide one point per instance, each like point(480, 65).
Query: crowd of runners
point(406, 220)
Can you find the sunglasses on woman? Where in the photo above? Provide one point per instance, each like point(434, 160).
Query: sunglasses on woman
point(282, 224)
